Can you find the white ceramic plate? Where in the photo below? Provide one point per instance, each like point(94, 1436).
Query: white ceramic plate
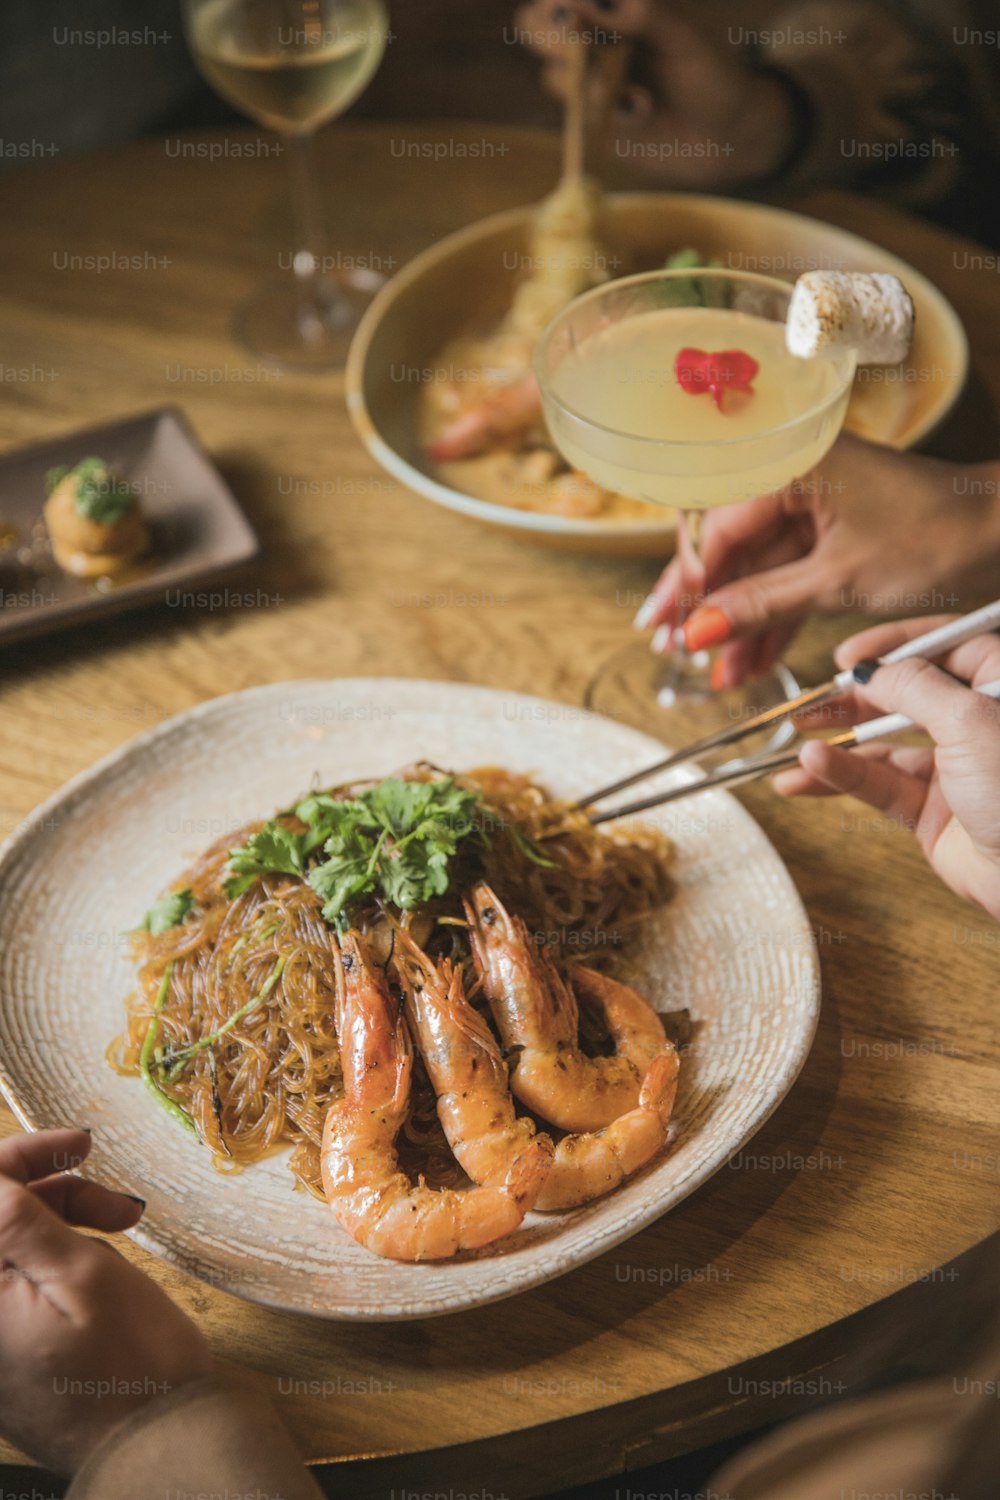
point(465, 283)
point(734, 946)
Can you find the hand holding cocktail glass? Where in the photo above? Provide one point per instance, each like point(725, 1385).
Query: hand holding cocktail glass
point(871, 529)
point(680, 388)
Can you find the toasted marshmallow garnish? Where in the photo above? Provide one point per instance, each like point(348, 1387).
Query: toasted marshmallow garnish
point(835, 310)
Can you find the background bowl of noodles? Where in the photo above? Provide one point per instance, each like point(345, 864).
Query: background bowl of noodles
point(461, 288)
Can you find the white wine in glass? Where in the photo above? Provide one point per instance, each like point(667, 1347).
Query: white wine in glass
point(292, 65)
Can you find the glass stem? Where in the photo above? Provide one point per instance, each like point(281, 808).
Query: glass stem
point(684, 673)
point(310, 237)
point(692, 580)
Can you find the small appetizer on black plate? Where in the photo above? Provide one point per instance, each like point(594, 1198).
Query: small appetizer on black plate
point(94, 520)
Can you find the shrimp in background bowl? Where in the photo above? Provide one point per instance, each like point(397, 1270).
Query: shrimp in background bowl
point(481, 420)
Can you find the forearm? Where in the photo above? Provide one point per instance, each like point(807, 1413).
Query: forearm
point(206, 1437)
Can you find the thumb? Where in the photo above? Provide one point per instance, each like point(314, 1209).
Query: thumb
point(750, 605)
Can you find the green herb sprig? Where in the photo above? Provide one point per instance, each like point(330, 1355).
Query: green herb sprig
point(179, 1060)
point(99, 496)
point(692, 291)
point(146, 1055)
point(394, 841)
point(168, 912)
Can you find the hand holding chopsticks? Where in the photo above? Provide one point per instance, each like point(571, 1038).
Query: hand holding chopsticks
point(929, 645)
point(753, 770)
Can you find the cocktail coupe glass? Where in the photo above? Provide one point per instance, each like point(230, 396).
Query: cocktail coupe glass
point(608, 368)
point(292, 65)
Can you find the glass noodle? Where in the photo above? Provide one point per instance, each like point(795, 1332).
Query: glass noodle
point(232, 1023)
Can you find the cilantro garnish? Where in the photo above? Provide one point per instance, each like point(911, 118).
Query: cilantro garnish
point(692, 291)
point(100, 496)
point(168, 912)
point(394, 842)
point(274, 849)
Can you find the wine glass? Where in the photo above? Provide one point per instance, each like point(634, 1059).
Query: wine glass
point(676, 387)
point(292, 65)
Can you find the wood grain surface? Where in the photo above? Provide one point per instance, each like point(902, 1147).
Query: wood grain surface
point(803, 1266)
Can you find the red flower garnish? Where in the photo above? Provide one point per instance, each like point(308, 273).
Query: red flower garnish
point(698, 371)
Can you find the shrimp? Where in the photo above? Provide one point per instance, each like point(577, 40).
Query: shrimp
point(464, 1065)
point(477, 1112)
point(566, 257)
point(536, 1014)
point(633, 1023)
point(370, 1195)
point(588, 1166)
point(575, 495)
point(506, 410)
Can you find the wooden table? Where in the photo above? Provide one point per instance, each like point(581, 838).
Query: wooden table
point(878, 1166)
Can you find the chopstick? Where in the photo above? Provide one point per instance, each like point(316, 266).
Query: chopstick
point(575, 120)
point(610, 65)
point(753, 770)
point(932, 643)
point(612, 70)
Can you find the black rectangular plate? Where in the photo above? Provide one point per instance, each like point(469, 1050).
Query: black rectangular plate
point(198, 529)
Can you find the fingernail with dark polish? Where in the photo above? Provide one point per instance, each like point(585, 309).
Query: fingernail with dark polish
point(864, 671)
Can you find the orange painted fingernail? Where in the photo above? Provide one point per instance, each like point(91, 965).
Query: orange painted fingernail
point(707, 627)
point(719, 675)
